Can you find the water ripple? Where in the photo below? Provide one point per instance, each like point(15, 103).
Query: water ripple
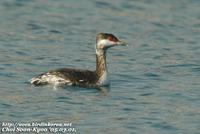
point(154, 82)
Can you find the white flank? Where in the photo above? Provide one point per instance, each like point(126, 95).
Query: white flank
point(51, 79)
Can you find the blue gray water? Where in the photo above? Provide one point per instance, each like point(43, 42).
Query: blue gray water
point(155, 80)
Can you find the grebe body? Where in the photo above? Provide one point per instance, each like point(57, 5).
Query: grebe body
point(83, 78)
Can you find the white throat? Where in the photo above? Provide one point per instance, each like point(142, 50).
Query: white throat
point(104, 79)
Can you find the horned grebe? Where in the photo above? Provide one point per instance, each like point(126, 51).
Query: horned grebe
point(83, 78)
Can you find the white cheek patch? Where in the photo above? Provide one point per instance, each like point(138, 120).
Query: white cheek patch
point(105, 43)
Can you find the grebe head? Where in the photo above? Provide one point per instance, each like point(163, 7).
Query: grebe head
point(106, 40)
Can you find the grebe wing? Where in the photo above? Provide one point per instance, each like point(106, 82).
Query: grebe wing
point(75, 75)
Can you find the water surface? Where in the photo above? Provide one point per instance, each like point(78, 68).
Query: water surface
point(155, 81)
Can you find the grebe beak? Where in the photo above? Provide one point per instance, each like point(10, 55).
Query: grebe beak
point(122, 43)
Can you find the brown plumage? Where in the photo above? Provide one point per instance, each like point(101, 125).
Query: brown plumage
point(83, 78)
point(74, 77)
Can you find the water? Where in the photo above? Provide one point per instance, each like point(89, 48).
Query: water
point(155, 81)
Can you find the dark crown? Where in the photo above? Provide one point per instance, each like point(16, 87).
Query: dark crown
point(109, 36)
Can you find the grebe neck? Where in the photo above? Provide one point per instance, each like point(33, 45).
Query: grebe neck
point(101, 67)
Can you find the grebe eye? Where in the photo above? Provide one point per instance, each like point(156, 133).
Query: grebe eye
point(110, 38)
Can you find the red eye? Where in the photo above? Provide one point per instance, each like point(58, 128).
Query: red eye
point(110, 38)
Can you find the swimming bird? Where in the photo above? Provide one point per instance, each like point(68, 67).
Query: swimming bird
point(79, 77)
